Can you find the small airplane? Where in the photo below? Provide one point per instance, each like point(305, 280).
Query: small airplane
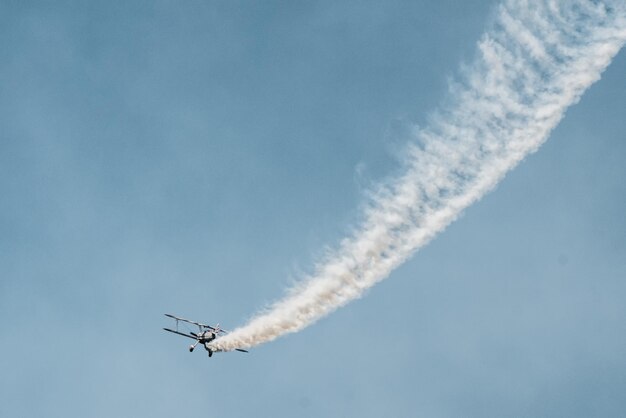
point(206, 334)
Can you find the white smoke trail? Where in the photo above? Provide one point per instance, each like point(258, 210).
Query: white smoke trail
point(536, 60)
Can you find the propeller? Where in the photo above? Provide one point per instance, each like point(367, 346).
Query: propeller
point(218, 330)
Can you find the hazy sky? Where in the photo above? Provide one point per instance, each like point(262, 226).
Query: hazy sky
point(196, 157)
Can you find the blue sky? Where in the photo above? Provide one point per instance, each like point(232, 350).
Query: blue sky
point(195, 157)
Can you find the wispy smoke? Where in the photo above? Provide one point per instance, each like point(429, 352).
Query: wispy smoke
point(537, 58)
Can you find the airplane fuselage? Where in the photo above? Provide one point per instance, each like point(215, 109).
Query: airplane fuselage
point(205, 338)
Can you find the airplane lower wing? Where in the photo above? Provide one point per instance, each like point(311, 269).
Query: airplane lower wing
point(181, 333)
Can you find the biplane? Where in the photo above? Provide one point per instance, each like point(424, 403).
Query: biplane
point(206, 334)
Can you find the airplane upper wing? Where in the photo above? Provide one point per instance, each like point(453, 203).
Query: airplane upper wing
point(195, 323)
point(188, 321)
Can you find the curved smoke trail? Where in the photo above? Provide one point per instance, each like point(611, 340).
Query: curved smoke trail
point(536, 60)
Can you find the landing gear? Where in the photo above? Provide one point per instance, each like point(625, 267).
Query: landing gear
point(210, 353)
point(191, 347)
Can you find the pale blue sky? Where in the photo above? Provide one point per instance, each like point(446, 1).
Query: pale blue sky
point(193, 157)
